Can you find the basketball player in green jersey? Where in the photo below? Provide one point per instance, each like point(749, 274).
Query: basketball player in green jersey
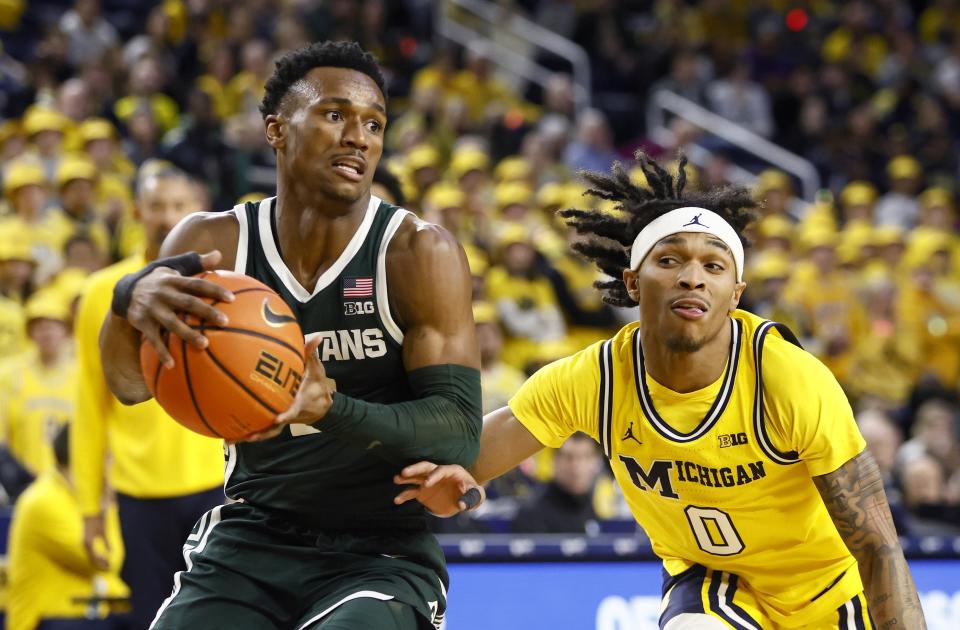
point(313, 539)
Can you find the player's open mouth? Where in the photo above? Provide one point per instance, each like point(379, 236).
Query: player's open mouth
point(350, 168)
point(689, 308)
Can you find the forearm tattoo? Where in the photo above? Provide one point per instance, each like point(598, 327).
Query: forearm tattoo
point(856, 501)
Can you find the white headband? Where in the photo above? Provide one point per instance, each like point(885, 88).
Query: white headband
point(690, 219)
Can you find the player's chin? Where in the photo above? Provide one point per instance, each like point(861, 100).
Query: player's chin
point(348, 192)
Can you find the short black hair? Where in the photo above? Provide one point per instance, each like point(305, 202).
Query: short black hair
point(610, 237)
point(389, 181)
point(79, 237)
point(296, 64)
point(61, 446)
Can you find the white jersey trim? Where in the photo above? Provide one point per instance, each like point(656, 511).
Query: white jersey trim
point(371, 594)
point(383, 297)
point(207, 522)
point(243, 242)
point(276, 263)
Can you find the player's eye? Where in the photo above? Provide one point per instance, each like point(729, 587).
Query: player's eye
point(667, 260)
point(715, 266)
point(374, 126)
point(333, 115)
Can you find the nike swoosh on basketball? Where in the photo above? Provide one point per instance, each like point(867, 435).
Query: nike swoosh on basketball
point(275, 319)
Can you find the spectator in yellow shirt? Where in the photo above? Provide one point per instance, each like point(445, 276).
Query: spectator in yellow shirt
point(76, 182)
point(51, 579)
point(165, 476)
point(499, 380)
point(40, 383)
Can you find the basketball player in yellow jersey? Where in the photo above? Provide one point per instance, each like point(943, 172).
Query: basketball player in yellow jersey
point(737, 451)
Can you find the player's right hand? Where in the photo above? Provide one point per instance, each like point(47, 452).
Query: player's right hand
point(94, 529)
point(159, 296)
point(443, 490)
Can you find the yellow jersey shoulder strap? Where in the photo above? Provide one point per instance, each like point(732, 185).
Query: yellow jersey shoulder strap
point(605, 424)
point(759, 424)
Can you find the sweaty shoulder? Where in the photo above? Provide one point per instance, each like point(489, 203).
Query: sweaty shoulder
point(417, 241)
point(561, 398)
point(203, 232)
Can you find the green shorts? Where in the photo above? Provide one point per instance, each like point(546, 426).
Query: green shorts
point(250, 569)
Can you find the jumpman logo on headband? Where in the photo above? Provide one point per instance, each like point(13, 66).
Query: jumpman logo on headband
point(695, 221)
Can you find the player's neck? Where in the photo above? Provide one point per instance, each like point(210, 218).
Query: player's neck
point(685, 372)
point(313, 233)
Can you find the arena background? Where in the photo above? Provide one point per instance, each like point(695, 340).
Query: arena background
point(842, 117)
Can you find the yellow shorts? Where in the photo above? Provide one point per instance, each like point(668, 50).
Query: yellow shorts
point(704, 599)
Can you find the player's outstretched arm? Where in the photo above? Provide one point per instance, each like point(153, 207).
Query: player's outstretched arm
point(151, 303)
point(446, 490)
point(857, 504)
point(430, 294)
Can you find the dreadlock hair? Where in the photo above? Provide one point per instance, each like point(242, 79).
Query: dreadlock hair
point(610, 237)
point(296, 64)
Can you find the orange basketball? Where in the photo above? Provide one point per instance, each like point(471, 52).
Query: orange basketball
point(249, 372)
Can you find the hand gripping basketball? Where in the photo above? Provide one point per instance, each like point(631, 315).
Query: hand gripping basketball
point(159, 295)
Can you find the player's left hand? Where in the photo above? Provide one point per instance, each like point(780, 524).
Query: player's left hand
point(443, 490)
point(312, 401)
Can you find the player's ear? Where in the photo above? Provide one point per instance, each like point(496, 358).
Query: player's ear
point(630, 279)
point(276, 130)
point(737, 292)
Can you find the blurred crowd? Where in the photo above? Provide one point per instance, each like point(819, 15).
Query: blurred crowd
point(867, 273)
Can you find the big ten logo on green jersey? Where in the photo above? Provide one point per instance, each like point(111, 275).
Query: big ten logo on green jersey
point(358, 308)
point(343, 345)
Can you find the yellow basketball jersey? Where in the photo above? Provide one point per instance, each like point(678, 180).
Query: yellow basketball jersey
point(719, 477)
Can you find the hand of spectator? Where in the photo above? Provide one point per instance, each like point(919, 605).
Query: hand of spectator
point(443, 490)
point(94, 529)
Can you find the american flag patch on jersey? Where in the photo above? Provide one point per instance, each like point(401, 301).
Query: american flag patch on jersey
point(357, 287)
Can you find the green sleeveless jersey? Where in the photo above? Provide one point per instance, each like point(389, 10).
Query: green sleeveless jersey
point(318, 479)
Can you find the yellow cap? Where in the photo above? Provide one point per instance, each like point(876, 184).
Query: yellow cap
point(817, 237)
point(477, 259)
point(254, 197)
point(512, 168)
point(468, 159)
point(422, 156)
point(936, 197)
point(442, 196)
point(39, 119)
point(512, 232)
point(510, 193)
point(858, 193)
point(923, 245)
point(75, 168)
point(887, 235)
point(773, 179)
point(23, 173)
point(768, 266)
point(15, 244)
point(485, 313)
point(47, 304)
point(552, 194)
point(775, 226)
point(903, 166)
point(95, 129)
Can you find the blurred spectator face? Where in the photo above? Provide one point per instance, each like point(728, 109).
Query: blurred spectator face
point(50, 336)
point(772, 289)
point(775, 201)
point(518, 258)
point(256, 57)
point(14, 276)
point(373, 15)
point(142, 128)
point(906, 185)
point(824, 258)
point(48, 143)
point(73, 99)
point(76, 197)
point(221, 64)
point(922, 480)
point(201, 108)
point(882, 437)
point(88, 10)
point(157, 23)
point(491, 342)
point(82, 253)
point(100, 151)
point(472, 181)
point(558, 95)
point(28, 201)
point(940, 216)
point(426, 177)
point(858, 212)
point(516, 212)
point(162, 202)
point(146, 77)
point(813, 116)
point(592, 130)
point(241, 22)
point(684, 68)
point(576, 465)
point(936, 428)
point(289, 32)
